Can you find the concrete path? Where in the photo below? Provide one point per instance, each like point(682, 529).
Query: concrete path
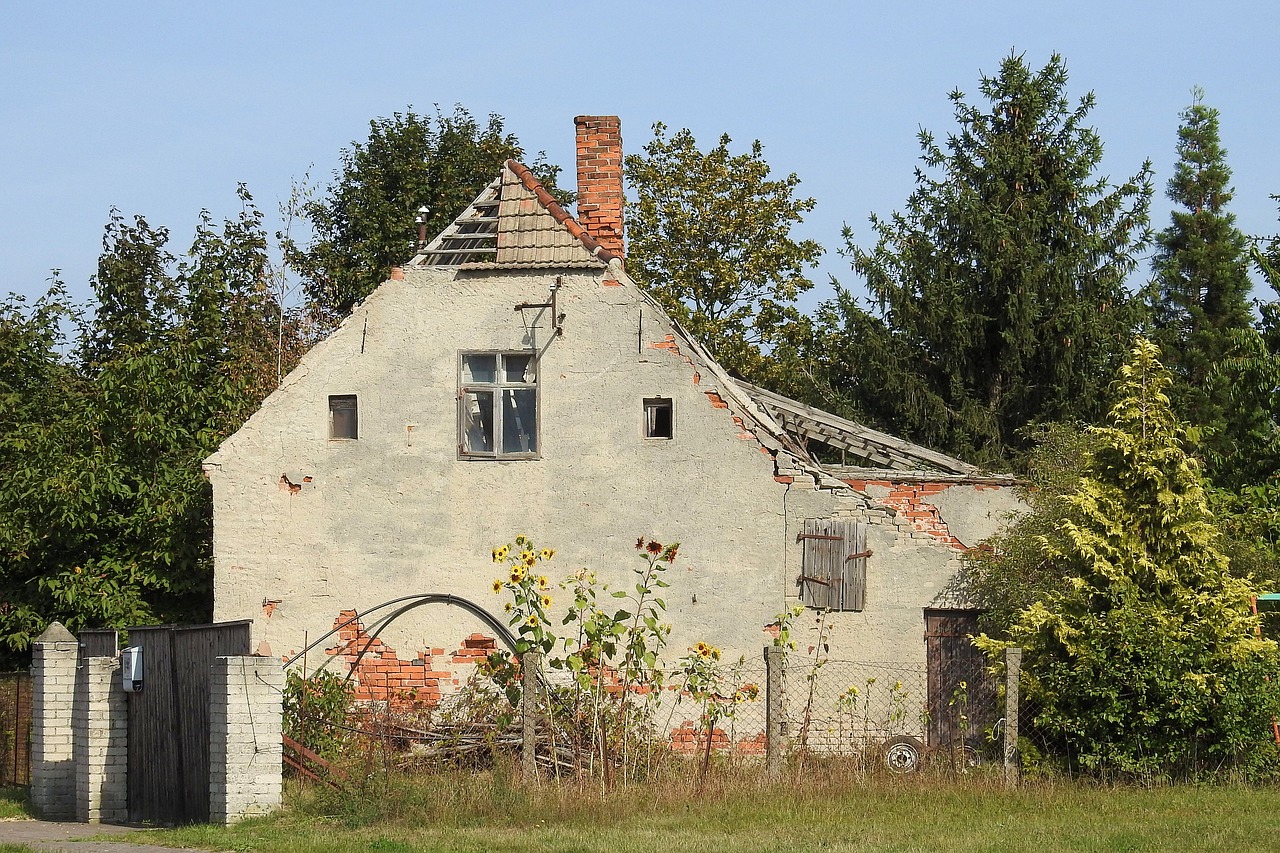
point(48, 835)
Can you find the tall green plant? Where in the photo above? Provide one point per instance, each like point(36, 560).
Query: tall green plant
point(1148, 662)
point(998, 296)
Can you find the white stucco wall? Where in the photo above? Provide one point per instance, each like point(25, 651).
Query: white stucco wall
point(396, 512)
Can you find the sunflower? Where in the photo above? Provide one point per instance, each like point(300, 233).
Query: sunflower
point(508, 607)
point(543, 582)
point(654, 547)
point(532, 621)
point(526, 556)
point(546, 553)
point(517, 574)
point(496, 586)
point(500, 553)
point(546, 601)
point(640, 543)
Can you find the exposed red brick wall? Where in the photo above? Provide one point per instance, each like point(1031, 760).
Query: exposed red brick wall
point(382, 676)
point(913, 502)
point(600, 197)
point(687, 739)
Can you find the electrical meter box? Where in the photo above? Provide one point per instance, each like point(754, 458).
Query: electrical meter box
point(131, 668)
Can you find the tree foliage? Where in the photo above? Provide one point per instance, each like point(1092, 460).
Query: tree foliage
point(709, 236)
point(999, 297)
point(1146, 662)
point(365, 223)
point(105, 517)
point(1201, 291)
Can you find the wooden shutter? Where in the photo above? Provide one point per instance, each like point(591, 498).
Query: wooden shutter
point(828, 578)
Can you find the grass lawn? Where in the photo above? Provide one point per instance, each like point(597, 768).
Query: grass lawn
point(488, 812)
point(13, 803)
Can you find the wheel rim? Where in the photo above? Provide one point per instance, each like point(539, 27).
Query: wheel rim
point(902, 757)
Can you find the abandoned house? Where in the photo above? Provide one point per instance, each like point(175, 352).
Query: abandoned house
point(511, 379)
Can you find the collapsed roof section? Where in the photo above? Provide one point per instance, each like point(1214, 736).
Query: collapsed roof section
point(514, 224)
point(876, 448)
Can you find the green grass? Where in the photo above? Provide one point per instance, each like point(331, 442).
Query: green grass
point(13, 803)
point(488, 812)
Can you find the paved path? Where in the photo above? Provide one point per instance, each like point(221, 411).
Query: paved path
point(47, 835)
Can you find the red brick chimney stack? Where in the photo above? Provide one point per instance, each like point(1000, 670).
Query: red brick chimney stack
point(600, 179)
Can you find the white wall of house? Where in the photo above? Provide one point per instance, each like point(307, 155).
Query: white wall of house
point(397, 511)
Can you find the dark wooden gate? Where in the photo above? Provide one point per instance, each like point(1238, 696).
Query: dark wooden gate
point(962, 693)
point(169, 720)
point(15, 728)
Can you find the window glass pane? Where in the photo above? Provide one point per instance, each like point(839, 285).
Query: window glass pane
point(477, 422)
point(518, 368)
point(479, 368)
point(520, 420)
point(343, 416)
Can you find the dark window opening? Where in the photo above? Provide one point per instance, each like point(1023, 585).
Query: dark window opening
point(343, 416)
point(658, 422)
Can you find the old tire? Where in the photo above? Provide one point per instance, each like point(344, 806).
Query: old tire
point(902, 754)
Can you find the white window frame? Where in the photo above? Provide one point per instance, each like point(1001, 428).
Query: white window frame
point(468, 388)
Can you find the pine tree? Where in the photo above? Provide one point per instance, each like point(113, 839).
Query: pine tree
point(1202, 288)
point(999, 295)
point(1147, 660)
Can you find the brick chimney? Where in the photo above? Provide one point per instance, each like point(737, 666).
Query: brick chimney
point(600, 179)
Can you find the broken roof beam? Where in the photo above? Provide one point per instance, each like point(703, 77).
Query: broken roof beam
point(843, 434)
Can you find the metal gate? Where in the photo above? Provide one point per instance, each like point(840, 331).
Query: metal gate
point(169, 720)
point(962, 693)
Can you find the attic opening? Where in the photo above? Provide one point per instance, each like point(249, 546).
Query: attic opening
point(658, 420)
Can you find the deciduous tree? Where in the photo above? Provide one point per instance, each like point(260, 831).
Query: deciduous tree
point(709, 236)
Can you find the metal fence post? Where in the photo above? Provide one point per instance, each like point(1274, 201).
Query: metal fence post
point(1012, 671)
point(773, 746)
point(530, 668)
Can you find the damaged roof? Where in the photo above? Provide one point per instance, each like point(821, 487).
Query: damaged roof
point(515, 224)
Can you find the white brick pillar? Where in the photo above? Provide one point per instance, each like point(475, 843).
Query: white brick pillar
point(245, 709)
point(101, 725)
point(53, 678)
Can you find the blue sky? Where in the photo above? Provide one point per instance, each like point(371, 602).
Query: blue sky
point(160, 109)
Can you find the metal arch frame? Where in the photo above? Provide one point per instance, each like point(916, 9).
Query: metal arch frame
point(415, 601)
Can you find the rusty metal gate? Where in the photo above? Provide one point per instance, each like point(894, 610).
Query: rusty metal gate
point(169, 720)
point(962, 705)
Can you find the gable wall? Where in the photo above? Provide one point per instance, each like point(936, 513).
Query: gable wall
point(396, 512)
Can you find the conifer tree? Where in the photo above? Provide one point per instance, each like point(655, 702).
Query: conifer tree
point(1146, 661)
point(998, 295)
point(1202, 288)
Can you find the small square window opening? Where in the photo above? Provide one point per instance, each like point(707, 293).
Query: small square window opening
point(658, 422)
point(343, 416)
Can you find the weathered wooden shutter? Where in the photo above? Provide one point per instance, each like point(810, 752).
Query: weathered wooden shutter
point(833, 573)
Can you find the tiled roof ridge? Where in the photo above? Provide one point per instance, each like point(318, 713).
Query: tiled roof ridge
point(533, 185)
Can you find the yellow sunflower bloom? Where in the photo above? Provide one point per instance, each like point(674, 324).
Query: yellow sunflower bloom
point(517, 574)
point(546, 601)
point(532, 621)
point(497, 585)
point(543, 582)
point(546, 553)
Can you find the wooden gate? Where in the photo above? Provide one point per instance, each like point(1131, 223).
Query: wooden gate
point(169, 720)
point(962, 694)
point(15, 728)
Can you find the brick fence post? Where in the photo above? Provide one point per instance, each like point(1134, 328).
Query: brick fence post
point(773, 745)
point(100, 725)
point(530, 674)
point(1012, 673)
point(246, 703)
point(53, 683)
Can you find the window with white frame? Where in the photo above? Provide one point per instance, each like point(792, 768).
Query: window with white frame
point(498, 405)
